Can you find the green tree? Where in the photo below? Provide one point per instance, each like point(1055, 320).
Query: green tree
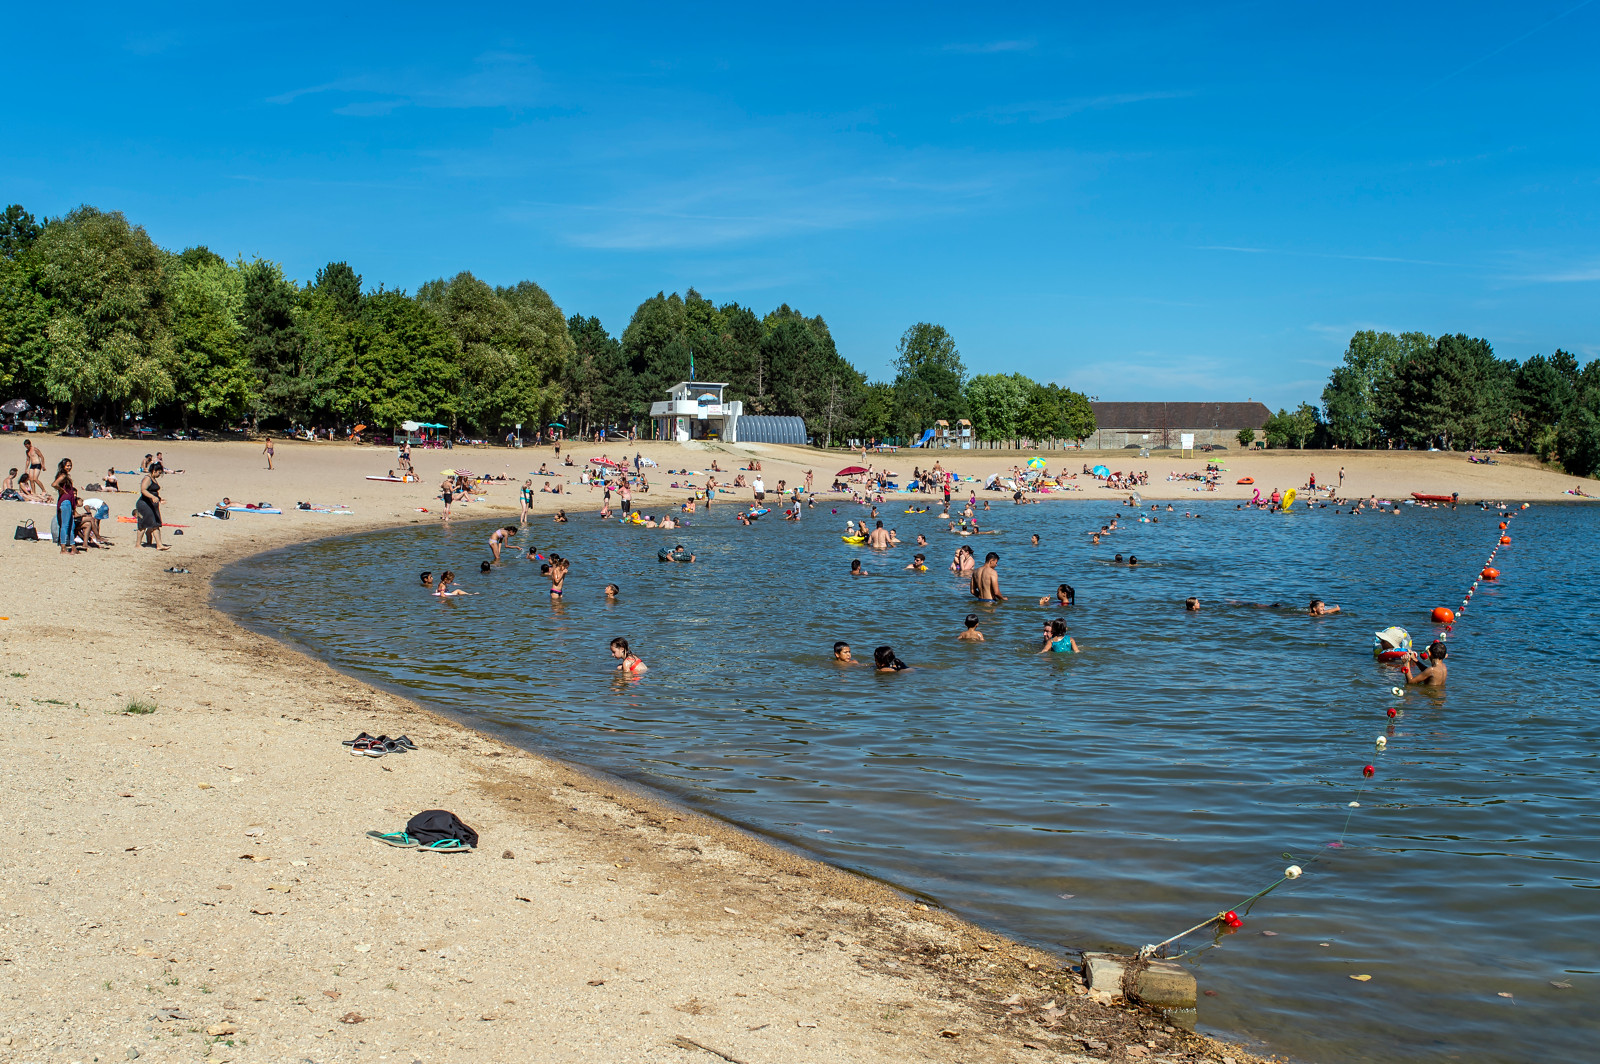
point(109, 332)
point(929, 376)
point(997, 402)
point(599, 380)
point(211, 377)
point(1247, 438)
point(1352, 397)
point(405, 364)
point(18, 231)
point(275, 344)
point(24, 330)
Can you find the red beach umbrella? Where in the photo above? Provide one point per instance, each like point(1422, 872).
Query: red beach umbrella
point(851, 470)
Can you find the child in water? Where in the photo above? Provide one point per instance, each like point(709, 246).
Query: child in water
point(971, 633)
point(447, 578)
point(1056, 639)
point(884, 660)
point(631, 665)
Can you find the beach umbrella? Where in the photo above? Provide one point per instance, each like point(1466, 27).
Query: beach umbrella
point(1101, 471)
point(15, 406)
point(850, 471)
point(604, 462)
point(1036, 462)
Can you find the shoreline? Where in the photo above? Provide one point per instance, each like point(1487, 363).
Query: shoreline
point(700, 921)
point(704, 922)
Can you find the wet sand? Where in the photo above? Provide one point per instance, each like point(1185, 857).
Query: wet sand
point(203, 868)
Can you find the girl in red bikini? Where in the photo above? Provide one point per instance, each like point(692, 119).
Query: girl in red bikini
point(630, 661)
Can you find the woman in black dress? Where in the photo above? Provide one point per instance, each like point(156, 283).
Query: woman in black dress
point(148, 508)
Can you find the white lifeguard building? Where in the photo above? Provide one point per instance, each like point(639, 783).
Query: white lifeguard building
point(697, 410)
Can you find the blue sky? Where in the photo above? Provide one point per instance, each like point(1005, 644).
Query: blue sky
point(1151, 202)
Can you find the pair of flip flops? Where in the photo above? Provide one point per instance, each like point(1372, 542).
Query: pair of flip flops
point(408, 842)
point(378, 745)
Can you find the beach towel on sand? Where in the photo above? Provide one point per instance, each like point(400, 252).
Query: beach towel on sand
point(431, 825)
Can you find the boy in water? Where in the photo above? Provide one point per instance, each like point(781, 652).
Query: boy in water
point(1435, 672)
point(427, 579)
point(841, 653)
point(855, 568)
point(612, 591)
point(971, 634)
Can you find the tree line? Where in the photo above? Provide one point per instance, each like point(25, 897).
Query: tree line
point(97, 321)
point(1451, 392)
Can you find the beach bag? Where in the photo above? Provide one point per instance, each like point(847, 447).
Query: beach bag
point(431, 825)
point(25, 530)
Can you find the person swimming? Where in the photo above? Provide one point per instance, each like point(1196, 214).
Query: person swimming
point(884, 660)
point(1056, 639)
point(919, 564)
point(612, 591)
point(631, 665)
point(427, 579)
point(1191, 604)
point(447, 578)
point(970, 634)
point(841, 653)
point(1065, 596)
point(483, 567)
point(855, 568)
point(1318, 608)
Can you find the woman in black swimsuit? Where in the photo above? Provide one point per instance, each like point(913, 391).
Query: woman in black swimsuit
point(148, 509)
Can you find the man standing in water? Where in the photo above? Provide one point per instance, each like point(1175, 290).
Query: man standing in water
point(986, 580)
point(878, 539)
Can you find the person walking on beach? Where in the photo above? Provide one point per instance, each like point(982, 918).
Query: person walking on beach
point(447, 493)
point(630, 663)
point(148, 509)
point(527, 500)
point(405, 457)
point(66, 507)
point(267, 450)
point(986, 580)
point(33, 463)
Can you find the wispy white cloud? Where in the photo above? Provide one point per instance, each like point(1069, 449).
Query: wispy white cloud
point(990, 47)
point(496, 80)
point(1576, 274)
point(1336, 255)
point(1343, 332)
point(1054, 110)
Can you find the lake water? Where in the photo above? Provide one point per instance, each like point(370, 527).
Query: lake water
point(1101, 800)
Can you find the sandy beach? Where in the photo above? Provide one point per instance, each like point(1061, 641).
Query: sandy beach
point(195, 881)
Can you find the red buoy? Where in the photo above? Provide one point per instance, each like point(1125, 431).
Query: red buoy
point(1491, 573)
point(1368, 771)
point(1443, 615)
point(1505, 540)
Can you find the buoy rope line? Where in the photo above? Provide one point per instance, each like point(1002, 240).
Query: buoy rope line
point(1230, 919)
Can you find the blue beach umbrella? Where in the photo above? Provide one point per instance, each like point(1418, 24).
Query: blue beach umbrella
point(1101, 471)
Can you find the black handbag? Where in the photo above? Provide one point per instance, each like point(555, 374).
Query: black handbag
point(25, 530)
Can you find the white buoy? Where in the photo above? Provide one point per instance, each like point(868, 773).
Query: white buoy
point(1292, 872)
point(1355, 805)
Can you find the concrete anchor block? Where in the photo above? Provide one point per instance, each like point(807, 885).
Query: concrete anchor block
point(1161, 985)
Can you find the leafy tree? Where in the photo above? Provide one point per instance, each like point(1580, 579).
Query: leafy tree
point(105, 284)
point(211, 377)
point(275, 344)
point(1351, 398)
point(997, 403)
point(928, 380)
point(599, 380)
point(405, 363)
point(24, 330)
point(18, 231)
point(1247, 437)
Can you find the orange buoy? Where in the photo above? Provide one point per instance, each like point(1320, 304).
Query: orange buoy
point(1505, 539)
point(1443, 615)
point(1502, 524)
point(1491, 574)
